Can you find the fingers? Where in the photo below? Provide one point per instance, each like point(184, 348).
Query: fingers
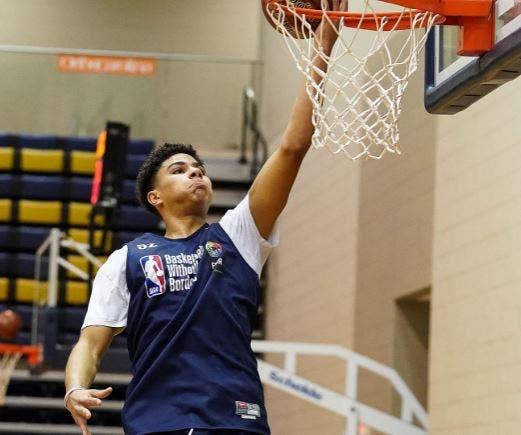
point(79, 403)
point(82, 424)
point(81, 412)
point(84, 428)
point(338, 5)
point(101, 394)
point(91, 402)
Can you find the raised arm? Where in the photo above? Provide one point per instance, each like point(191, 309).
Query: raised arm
point(81, 370)
point(271, 188)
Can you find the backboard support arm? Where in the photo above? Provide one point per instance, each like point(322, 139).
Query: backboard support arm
point(475, 19)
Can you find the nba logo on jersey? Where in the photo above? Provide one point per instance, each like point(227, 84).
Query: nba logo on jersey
point(155, 280)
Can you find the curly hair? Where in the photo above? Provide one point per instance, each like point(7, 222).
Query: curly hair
point(147, 173)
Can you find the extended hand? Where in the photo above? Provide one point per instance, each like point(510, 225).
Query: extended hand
point(326, 33)
point(79, 402)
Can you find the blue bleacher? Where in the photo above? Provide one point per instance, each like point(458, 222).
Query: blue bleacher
point(140, 146)
point(38, 141)
point(4, 263)
point(135, 146)
point(6, 139)
point(80, 143)
point(56, 187)
point(139, 218)
point(42, 187)
point(20, 265)
point(129, 192)
point(80, 189)
point(133, 163)
point(6, 185)
point(22, 238)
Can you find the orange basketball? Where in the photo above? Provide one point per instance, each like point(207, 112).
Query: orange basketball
point(10, 324)
point(293, 25)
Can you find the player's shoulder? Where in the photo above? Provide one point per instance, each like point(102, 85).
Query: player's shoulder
point(115, 263)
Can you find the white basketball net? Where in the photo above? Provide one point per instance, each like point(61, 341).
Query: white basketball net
point(357, 103)
point(8, 363)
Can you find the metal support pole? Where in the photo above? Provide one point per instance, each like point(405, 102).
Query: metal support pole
point(244, 128)
point(352, 393)
point(290, 362)
point(50, 338)
point(54, 253)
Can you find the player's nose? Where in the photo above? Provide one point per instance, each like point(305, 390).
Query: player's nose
point(196, 172)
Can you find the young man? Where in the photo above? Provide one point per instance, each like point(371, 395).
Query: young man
point(187, 299)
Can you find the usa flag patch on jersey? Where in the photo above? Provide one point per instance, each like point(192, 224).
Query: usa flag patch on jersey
point(155, 280)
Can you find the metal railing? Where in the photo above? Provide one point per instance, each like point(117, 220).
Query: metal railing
point(45, 311)
point(346, 404)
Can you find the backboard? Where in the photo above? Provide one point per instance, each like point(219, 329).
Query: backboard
point(452, 82)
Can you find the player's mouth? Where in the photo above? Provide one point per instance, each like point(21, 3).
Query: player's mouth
point(199, 185)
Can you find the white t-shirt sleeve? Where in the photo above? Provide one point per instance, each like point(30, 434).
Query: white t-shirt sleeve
point(108, 305)
point(242, 230)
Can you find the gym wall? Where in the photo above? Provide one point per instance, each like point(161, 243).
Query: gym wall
point(442, 219)
point(192, 101)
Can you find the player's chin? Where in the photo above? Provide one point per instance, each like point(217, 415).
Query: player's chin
point(203, 194)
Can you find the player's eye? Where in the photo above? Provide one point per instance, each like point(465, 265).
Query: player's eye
point(177, 171)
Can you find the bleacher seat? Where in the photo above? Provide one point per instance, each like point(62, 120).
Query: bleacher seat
point(80, 143)
point(6, 139)
point(4, 288)
point(28, 239)
point(6, 185)
point(5, 209)
point(41, 160)
point(82, 162)
point(75, 293)
point(45, 182)
point(21, 265)
point(140, 218)
point(22, 238)
point(128, 194)
point(6, 158)
point(140, 146)
point(40, 187)
point(4, 263)
point(38, 141)
point(53, 161)
point(132, 164)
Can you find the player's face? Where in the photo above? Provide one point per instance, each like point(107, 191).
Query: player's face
point(182, 180)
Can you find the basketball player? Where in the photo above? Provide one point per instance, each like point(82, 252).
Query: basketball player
point(187, 299)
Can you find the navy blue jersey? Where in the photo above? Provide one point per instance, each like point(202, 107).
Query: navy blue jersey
point(190, 314)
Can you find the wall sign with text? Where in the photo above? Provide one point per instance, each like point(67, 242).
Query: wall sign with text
point(129, 66)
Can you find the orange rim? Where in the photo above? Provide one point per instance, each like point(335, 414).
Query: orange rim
point(32, 353)
point(393, 20)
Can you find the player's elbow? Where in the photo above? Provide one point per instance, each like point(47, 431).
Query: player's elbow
point(295, 147)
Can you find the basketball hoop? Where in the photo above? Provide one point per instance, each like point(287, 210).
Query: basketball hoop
point(358, 100)
point(10, 355)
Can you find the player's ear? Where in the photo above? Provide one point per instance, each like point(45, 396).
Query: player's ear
point(154, 198)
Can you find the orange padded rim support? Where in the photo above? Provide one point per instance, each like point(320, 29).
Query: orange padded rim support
point(393, 20)
point(32, 353)
point(453, 8)
point(475, 19)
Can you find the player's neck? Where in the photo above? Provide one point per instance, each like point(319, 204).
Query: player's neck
point(179, 227)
